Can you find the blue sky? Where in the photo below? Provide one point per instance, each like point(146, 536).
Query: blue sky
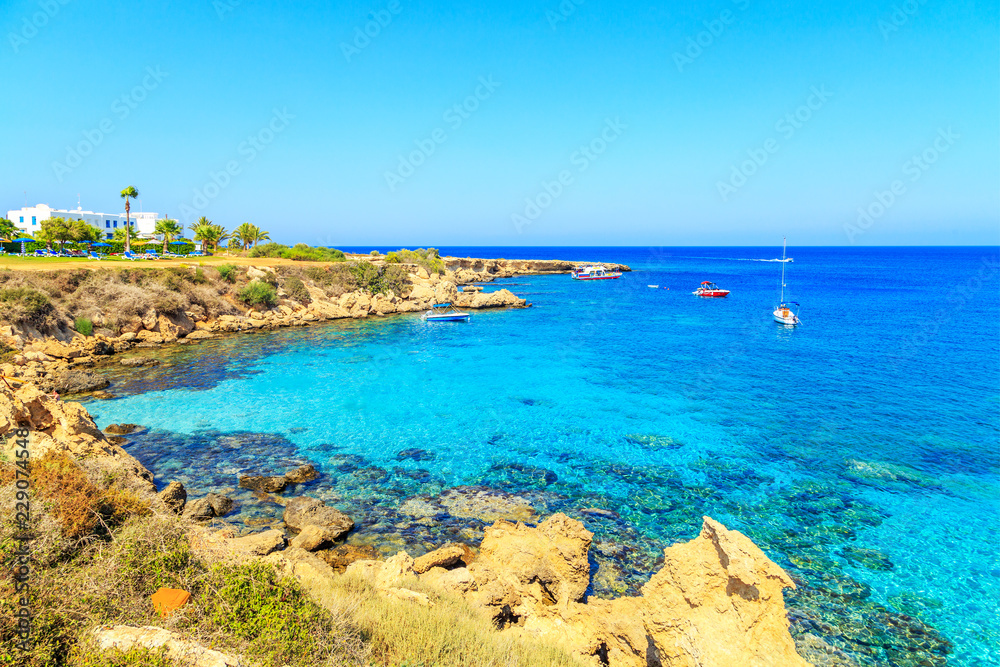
point(732, 122)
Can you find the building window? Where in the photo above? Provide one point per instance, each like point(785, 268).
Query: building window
point(116, 223)
point(33, 221)
point(22, 219)
point(110, 236)
point(107, 224)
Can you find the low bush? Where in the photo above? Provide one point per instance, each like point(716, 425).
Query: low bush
point(429, 259)
point(23, 305)
point(296, 290)
point(228, 272)
point(81, 507)
point(257, 293)
point(378, 279)
point(268, 250)
point(85, 326)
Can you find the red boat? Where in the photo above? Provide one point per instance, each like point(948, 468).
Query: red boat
point(709, 289)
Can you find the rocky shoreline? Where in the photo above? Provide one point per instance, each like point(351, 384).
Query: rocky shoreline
point(716, 600)
point(56, 358)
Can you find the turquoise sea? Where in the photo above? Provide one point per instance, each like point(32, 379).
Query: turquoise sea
point(860, 450)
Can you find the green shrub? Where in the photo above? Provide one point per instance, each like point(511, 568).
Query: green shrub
point(268, 250)
point(374, 253)
point(84, 326)
point(378, 279)
point(257, 293)
point(429, 259)
point(296, 290)
point(20, 305)
point(252, 603)
point(228, 272)
point(199, 277)
point(303, 253)
point(86, 657)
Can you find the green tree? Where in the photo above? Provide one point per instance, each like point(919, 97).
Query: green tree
point(128, 193)
point(170, 229)
point(56, 230)
point(210, 234)
point(244, 235)
point(85, 233)
point(8, 230)
point(258, 235)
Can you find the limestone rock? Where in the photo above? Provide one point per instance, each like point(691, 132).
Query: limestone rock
point(547, 564)
point(302, 474)
point(385, 574)
point(200, 334)
point(446, 556)
point(459, 580)
point(177, 325)
point(263, 484)
point(61, 427)
point(259, 544)
point(211, 506)
point(74, 382)
point(121, 429)
point(132, 362)
point(717, 600)
point(174, 497)
point(339, 558)
point(181, 651)
point(499, 299)
point(311, 538)
point(305, 511)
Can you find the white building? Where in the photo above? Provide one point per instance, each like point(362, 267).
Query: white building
point(29, 219)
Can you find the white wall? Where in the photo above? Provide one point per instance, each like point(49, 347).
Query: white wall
point(29, 219)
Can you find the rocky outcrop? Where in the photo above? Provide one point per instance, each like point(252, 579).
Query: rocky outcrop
point(181, 651)
point(302, 474)
point(464, 270)
point(59, 427)
point(305, 511)
point(211, 506)
point(499, 299)
point(174, 496)
point(716, 601)
point(444, 557)
point(471, 502)
point(263, 484)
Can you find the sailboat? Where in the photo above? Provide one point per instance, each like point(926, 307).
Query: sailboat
point(784, 313)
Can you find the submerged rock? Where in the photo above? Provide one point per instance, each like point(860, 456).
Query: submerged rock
point(263, 484)
point(471, 502)
point(873, 559)
point(302, 474)
point(132, 362)
point(416, 455)
point(74, 382)
point(653, 441)
point(122, 429)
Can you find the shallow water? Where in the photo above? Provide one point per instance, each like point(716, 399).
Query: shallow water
point(860, 450)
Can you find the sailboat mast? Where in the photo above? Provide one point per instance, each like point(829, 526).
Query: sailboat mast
point(784, 244)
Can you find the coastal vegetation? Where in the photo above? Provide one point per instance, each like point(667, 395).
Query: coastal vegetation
point(299, 252)
point(429, 258)
point(128, 194)
point(103, 545)
point(258, 293)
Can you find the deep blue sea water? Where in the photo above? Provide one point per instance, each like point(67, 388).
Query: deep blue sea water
point(859, 450)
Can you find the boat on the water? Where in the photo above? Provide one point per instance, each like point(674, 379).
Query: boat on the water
point(595, 272)
point(445, 312)
point(710, 289)
point(785, 313)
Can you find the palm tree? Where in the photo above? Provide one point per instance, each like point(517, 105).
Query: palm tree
point(128, 193)
point(260, 235)
point(170, 229)
point(244, 234)
point(210, 234)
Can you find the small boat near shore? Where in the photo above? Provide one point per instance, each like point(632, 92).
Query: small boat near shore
point(595, 272)
point(445, 312)
point(710, 290)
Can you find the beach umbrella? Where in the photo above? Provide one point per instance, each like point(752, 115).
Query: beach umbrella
point(22, 241)
point(101, 245)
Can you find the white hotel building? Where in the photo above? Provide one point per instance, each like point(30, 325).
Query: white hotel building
point(29, 219)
